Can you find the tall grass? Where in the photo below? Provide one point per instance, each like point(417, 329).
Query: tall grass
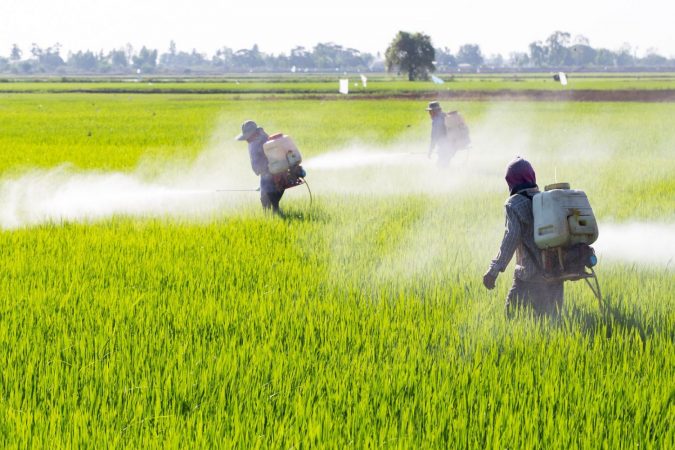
point(359, 323)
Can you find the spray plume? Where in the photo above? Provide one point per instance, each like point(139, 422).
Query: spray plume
point(189, 189)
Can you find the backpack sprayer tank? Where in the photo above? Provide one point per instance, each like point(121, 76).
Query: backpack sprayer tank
point(458, 132)
point(281, 153)
point(283, 161)
point(564, 228)
point(563, 217)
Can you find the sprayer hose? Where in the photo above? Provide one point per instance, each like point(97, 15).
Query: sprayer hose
point(308, 190)
point(596, 289)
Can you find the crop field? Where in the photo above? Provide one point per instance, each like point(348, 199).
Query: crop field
point(322, 84)
point(147, 301)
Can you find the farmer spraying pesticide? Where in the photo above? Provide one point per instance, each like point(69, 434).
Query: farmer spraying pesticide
point(449, 133)
point(276, 160)
point(550, 233)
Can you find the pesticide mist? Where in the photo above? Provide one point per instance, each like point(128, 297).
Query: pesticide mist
point(220, 181)
point(186, 189)
point(635, 242)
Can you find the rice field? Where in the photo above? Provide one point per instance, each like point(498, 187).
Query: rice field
point(357, 321)
point(325, 84)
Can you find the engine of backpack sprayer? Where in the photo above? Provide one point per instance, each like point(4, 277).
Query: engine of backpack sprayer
point(284, 160)
point(564, 228)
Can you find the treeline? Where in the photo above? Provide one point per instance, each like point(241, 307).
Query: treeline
point(323, 57)
point(558, 51)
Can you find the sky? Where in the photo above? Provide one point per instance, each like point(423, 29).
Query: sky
point(277, 26)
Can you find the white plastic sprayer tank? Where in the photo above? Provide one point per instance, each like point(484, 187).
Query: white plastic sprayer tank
point(281, 153)
point(563, 217)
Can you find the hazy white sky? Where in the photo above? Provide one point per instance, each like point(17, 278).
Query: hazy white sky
point(277, 25)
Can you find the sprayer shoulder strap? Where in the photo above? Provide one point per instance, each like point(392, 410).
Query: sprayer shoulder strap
point(527, 249)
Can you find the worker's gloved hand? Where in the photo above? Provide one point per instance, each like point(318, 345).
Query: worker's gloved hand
point(489, 281)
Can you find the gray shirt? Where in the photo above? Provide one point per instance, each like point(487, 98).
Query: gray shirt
point(439, 134)
point(519, 239)
point(255, 151)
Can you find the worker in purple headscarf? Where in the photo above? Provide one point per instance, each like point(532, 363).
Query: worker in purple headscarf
point(530, 286)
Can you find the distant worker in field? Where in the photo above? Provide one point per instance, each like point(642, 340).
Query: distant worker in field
point(530, 287)
point(270, 194)
point(449, 133)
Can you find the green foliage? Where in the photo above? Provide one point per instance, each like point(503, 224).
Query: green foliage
point(359, 323)
point(412, 53)
point(146, 60)
point(470, 54)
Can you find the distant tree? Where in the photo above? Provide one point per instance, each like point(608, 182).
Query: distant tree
point(223, 58)
point(15, 54)
point(470, 54)
point(412, 53)
point(332, 56)
point(538, 54)
point(146, 60)
point(27, 66)
point(35, 50)
point(624, 57)
point(351, 58)
point(301, 58)
point(325, 55)
point(558, 53)
point(495, 60)
point(118, 59)
point(129, 51)
point(445, 59)
point(248, 58)
point(582, 55)
point(653, 59)
point(84, 61)
point(48, 59)
point(605, 58)
point(169, 58)
point(281, 62)
point(518, 59)
point(182, 61)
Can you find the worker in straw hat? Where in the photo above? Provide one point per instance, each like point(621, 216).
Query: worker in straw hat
point(440, 138)
point(449, 133)
point(530, 287)
point(270, 194)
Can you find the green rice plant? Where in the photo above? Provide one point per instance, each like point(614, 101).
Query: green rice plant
point(358, 322)
point(233, 84)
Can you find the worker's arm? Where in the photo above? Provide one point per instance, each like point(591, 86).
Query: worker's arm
point(509, 243)
point(258, 161)
point(438, 134)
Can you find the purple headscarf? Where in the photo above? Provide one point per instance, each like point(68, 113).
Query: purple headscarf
point(520, 175)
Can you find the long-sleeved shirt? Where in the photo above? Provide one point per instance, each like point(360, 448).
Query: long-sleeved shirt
point(259, 162)
point(519, 239)
point(439, 134)
point(255, 151)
